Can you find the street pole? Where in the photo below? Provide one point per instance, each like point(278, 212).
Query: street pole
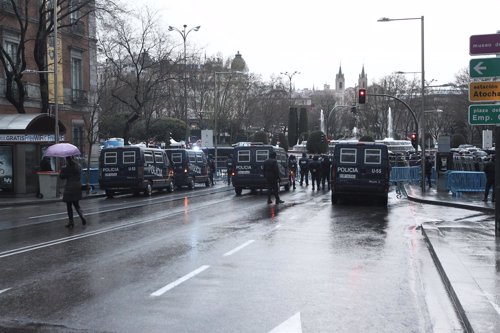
point(290, 77)
point(422, 131)
point(184, 34)
point(56, 92)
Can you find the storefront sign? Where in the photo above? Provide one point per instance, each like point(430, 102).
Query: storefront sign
point(29, 138)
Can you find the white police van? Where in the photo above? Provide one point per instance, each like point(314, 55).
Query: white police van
point(360, 169)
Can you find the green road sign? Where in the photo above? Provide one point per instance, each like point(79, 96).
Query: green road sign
point(484, 114)
point(485, 67)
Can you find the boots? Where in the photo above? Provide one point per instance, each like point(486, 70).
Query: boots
point(70, 224)
point(79, 211)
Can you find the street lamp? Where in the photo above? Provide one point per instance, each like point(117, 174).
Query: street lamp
point(290, 77)
point(184, 34)
point(422, 132)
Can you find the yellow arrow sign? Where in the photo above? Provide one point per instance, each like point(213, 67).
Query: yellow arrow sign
point(484, 91)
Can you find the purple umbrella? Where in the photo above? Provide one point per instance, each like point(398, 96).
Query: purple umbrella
point(62, 150)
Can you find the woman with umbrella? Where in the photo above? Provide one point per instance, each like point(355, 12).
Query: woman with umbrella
point(71, 172)
point(72, 190)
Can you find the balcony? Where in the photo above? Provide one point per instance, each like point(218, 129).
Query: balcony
point(79, 97)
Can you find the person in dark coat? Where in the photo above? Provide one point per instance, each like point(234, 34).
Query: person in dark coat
point(428, 170)
point(325, 171)
point(45, 164)
point(489, 170)
point(72, 190)
point(229, 168)
point(304, 169)
point(315, 169)
point(211, 165)
point(292, 166)
point(272, 174)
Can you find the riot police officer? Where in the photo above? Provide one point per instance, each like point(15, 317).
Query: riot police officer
point(315, 169)
point(292, 166)
point(325, 171)
point(304, 169)
point(229, 168)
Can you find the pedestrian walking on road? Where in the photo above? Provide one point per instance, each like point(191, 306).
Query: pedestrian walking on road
point(489, 170)
point(72, 190)
point(229, 168)
point(315, 169)
point(272, 175)
point(292, 166)
point(211, 165)
point(325, 171)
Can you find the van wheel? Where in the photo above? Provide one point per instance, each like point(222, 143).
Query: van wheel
point(238, 190)
point(148, 190)
point(287, 187)
point(191, 183)
point(170, 188)
point(109, 194)
point(334, 199)
point(207, 183)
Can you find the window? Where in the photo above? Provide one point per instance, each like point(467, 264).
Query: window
point(261, 155)
point(158, 157)
point(11, 44)
point(192, 158)
point(78, 134)
point(244, 156)
point(128, 157)
point(373, 156)
point(110, 158)
point(148, 158)
point(348, 155)
point(176, 158)
point(75, 13)
point(78, 94)
point(199, 158)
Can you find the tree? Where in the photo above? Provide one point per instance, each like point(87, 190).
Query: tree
point(303, 124)
point(140, 62)
point(316, 143)
point(283, 141)
point(292, 127)
point(260, 137)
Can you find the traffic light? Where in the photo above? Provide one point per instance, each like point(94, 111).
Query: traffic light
point(414, 140)
point(361, 96)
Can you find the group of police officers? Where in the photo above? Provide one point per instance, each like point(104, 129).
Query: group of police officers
point(318, 166)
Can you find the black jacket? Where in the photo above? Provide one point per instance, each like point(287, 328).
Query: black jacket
point(271, 169)
point(73, 188)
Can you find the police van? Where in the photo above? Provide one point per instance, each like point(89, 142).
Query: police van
point(360, 169)
point(247, 167)
point(134, 169)
point(190, 167)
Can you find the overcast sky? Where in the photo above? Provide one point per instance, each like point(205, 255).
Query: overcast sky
point(315, 37)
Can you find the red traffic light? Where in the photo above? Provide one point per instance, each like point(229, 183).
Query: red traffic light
point(361, 96)
point(414, 140)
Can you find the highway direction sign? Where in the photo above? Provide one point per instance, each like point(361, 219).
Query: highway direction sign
point(484, 44)
point(487, 91)
point(484, 114)
point(485, 67)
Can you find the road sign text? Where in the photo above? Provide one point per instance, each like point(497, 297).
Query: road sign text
point(484, 91)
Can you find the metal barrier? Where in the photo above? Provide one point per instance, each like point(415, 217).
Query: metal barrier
point(465, 181)
point(405, 174)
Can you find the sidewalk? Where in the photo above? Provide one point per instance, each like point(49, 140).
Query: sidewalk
point(467, 255)
point(31, 199)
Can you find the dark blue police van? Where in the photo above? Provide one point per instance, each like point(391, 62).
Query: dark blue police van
point(134, 169)
point(247, 167)
point(190, 167)
point(360, 169)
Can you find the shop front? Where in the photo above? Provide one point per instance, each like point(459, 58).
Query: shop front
point(23, 139)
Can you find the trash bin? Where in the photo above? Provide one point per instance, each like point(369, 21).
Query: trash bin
point(48, 181)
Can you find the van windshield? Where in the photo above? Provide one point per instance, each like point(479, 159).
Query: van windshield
point(261, 155)
point(176, 158)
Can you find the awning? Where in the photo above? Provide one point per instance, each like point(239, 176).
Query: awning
point(37, 123)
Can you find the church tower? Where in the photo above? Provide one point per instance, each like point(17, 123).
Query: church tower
point(340, 81)
point(363, 79)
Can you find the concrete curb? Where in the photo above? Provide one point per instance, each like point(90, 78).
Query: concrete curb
point(451, 204)
point(30, 201)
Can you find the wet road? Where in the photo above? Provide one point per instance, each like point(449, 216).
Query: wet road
point(210, 261)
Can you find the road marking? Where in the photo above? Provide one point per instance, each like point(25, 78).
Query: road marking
point(291, 325)
point(4, 290)
point(177, 282)
point(233, 251)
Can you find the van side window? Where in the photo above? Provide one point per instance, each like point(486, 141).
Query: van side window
point(261, 155)
point(192, 158)
point(110, 157)
point(148, 157)
point(373, 156)
point(244, 156)
point(158, 157)
point(348, 155)
point(176, 158)
point(128, 157)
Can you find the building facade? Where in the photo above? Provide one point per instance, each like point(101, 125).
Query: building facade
point(26, 132)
